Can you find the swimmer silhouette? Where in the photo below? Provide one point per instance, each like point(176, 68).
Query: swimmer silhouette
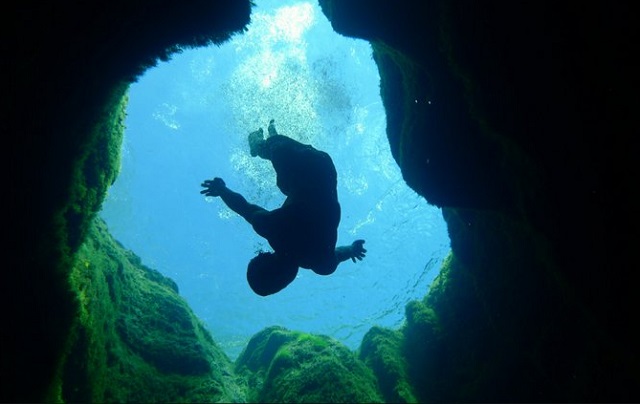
point(302, 232)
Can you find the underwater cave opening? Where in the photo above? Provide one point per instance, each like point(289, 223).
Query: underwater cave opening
point(188, 120)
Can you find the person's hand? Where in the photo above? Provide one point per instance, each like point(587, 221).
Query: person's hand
point(357, 250)
point(213, 187)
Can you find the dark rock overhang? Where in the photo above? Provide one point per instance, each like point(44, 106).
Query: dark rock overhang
point(514, 118)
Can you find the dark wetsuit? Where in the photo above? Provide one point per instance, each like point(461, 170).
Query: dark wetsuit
point(304, 228)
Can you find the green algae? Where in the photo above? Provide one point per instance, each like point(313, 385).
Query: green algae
point(136, 339)
point(67, 104)
point(289, 366)
point(494, 285)
point(93, 172)
point(381, 350)
point(96, 168)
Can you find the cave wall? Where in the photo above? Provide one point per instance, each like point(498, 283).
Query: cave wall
point(513, 118)
point(66, 68)
point(135, 338)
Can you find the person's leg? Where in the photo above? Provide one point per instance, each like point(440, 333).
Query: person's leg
point(256, 143)
point(275, 144)
point(271, 129)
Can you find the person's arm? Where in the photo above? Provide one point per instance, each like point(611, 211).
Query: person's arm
point(233, 200)
point(354, 251)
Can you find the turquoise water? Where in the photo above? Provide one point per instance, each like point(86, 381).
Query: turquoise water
point(188, 120)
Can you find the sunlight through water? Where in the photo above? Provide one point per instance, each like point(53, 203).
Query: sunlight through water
point(188, 120)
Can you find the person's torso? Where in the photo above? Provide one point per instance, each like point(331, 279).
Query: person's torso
point(304, 171)
point(309, 232)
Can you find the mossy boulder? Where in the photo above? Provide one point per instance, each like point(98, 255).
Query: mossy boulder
point(381, 350)
point(288, 366)
point(136, 339)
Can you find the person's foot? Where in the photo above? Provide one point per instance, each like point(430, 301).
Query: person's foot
point(256, 142)
point(272, 129)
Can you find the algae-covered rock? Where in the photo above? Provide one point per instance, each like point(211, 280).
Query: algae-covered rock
point(289, 366)
point(441, 338)
point(136, 339)
point(381, 350)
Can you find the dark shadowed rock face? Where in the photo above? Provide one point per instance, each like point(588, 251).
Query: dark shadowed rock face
point(67, 67)
point(510, 116)
point(513, 118)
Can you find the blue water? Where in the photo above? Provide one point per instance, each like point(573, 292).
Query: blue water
point(188, 120)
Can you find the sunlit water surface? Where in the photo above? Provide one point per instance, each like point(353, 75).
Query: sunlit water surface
point(188, 120)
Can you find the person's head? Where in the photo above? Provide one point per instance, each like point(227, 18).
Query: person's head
point(268, 273)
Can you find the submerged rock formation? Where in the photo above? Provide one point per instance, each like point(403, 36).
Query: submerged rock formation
point(514, 118)
point(382, 351)
point(294, 367)
point(68, 66)
point(136, 339)
point(510, 117)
